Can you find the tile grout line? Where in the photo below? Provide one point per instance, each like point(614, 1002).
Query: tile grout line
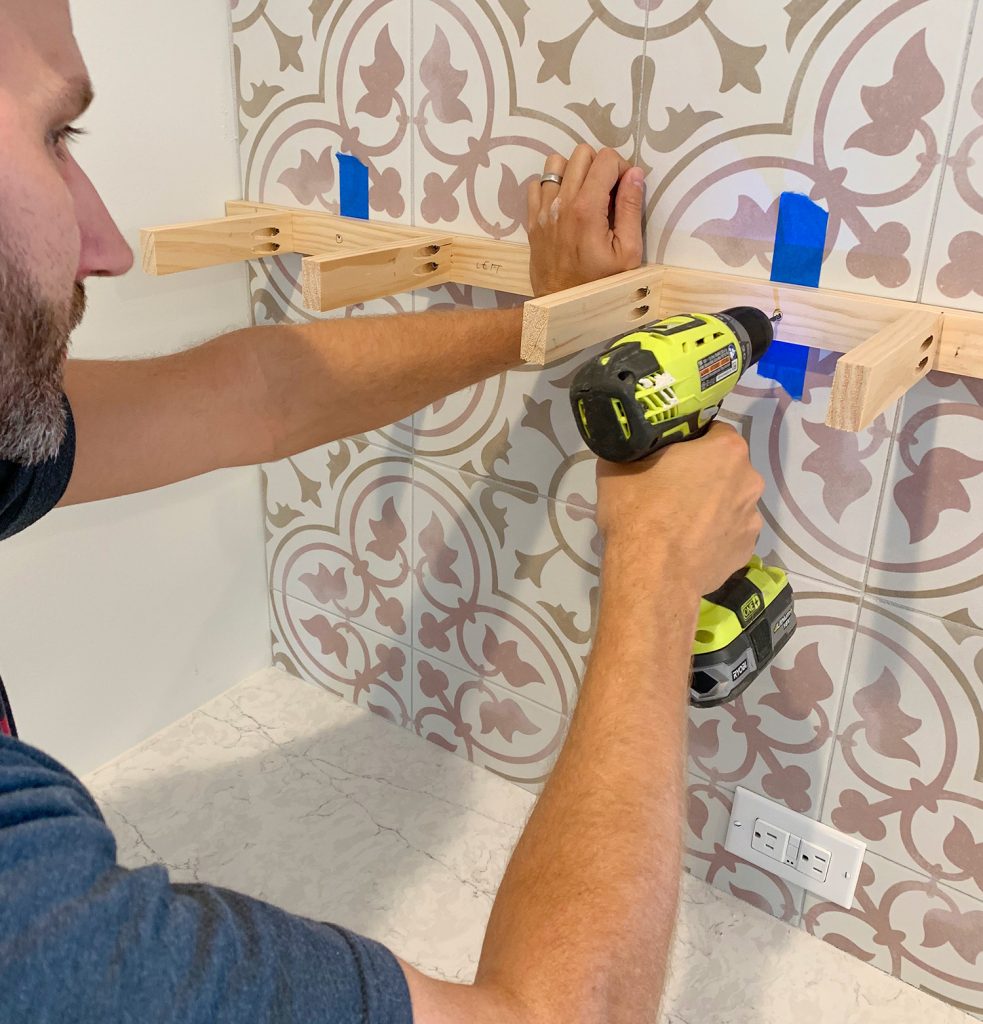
point(412, 123)
point(835, 723)
point(960, 87)
point(641, 113)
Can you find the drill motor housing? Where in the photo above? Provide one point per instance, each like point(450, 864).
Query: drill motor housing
point(664, 384)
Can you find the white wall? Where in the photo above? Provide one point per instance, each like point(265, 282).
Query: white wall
point(119, 617)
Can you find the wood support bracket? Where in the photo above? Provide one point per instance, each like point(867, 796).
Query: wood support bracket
point(891, 344)
point(877, 373)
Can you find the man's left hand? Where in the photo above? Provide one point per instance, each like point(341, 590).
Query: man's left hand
point(590, 225)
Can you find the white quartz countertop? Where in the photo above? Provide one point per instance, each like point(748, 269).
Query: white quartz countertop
point(282, 791)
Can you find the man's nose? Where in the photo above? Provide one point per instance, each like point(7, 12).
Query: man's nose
point(104, 252)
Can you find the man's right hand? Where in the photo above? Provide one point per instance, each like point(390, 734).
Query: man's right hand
point(692, 506)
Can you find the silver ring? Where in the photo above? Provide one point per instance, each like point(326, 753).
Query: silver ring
point(557, 179)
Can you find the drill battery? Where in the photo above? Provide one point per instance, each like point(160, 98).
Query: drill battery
point(742, 626)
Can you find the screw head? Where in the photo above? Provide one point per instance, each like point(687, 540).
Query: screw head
point(737, 824)
point(846, 874)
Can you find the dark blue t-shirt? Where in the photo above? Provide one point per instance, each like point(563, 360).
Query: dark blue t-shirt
point(83, 940)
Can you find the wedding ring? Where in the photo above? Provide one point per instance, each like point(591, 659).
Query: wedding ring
point(555, 178)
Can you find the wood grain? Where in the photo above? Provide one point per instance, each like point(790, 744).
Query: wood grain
point(875, 374)
point(343, 279)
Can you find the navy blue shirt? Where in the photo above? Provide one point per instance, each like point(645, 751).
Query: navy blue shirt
point(84, 940)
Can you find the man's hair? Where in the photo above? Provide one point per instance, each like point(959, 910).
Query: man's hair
point(34, 338)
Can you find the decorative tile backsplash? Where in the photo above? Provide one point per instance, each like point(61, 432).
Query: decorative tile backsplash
point(443, 571)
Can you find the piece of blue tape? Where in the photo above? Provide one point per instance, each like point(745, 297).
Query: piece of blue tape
point(800, 244)
point(354, 187)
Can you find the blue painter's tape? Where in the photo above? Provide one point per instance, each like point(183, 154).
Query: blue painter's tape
point(786, 363)
point(800, 243)
point(354, 187)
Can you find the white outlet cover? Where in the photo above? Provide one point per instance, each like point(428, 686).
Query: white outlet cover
point(846, 853)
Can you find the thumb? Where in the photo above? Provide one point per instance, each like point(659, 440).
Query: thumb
point(629, 208)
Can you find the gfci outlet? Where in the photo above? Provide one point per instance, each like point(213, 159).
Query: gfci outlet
point(794, 847)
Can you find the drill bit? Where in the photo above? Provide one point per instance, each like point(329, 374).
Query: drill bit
point(777, 318)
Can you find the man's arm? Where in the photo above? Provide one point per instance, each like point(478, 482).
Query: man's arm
point(262, 394)
point(582, 924)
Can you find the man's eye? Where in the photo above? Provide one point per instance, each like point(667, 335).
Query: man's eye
point(63, 136)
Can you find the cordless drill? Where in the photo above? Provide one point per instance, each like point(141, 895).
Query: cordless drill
point(665, 384)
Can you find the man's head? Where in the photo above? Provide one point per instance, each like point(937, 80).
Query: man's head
point(54, 229)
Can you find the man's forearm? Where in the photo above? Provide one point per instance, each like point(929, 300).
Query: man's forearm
point(584, 918)
point(337, 378)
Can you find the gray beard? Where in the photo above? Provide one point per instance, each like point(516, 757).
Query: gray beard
point(34, 338)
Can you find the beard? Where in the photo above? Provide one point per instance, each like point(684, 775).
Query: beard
point(34, 339)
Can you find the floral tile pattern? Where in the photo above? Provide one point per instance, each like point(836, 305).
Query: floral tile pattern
point(928, 554)
point(506, 584)
point(907, 775)
point(778, 737)
point(490, 725)
point(351, 661)
point(910, 926)
point(445, 574)
point(708, 808)
point(822, 485)
point(339, 521)
point(813, 98)
point(953, 275)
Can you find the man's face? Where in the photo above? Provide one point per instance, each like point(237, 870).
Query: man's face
point(54, 229)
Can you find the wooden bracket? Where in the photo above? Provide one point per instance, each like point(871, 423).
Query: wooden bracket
point(891, 343)
point(877, 373)
point(210, 243)
point(343, 279)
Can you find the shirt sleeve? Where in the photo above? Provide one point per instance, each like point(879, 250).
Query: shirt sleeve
point(28, 493)
point(84, 940)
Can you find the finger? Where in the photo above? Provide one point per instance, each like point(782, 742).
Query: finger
point(534, 199)
point(602, 178)
point(574, 176)
point(629, 208)
point(555, 164)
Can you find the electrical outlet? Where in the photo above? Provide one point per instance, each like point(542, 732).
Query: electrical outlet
point(813, 861)
point(794, 847)
point(769, 840)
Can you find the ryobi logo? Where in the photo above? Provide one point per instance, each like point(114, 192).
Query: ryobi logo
point(739, 671)
point(751, 607)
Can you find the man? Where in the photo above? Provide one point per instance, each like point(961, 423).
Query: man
point(582, 925)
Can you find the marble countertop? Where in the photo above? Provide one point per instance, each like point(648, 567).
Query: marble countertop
point(280, 790)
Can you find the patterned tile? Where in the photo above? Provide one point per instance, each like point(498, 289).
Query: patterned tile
point(907, 775)
point(928, 554)
point(806, 97)
point(777, 738)
point(489, 725)
point(339, 521)
point(498, 88)
point(506, 584)
point(315, 82)
point(349, 660)
point(954, 267)
point(910, 926)
point(708, 808)
point(516, 429)
point(822, 485)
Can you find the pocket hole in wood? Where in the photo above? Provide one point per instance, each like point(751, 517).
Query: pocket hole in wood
point(430, 250)
point(642, 293)
point(923, 364)
point(427, 268)
point(927, 343)
point(265, 233)
point(638, 312)
point(269, 249)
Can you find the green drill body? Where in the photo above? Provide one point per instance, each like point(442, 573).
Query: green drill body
point(662, 385)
